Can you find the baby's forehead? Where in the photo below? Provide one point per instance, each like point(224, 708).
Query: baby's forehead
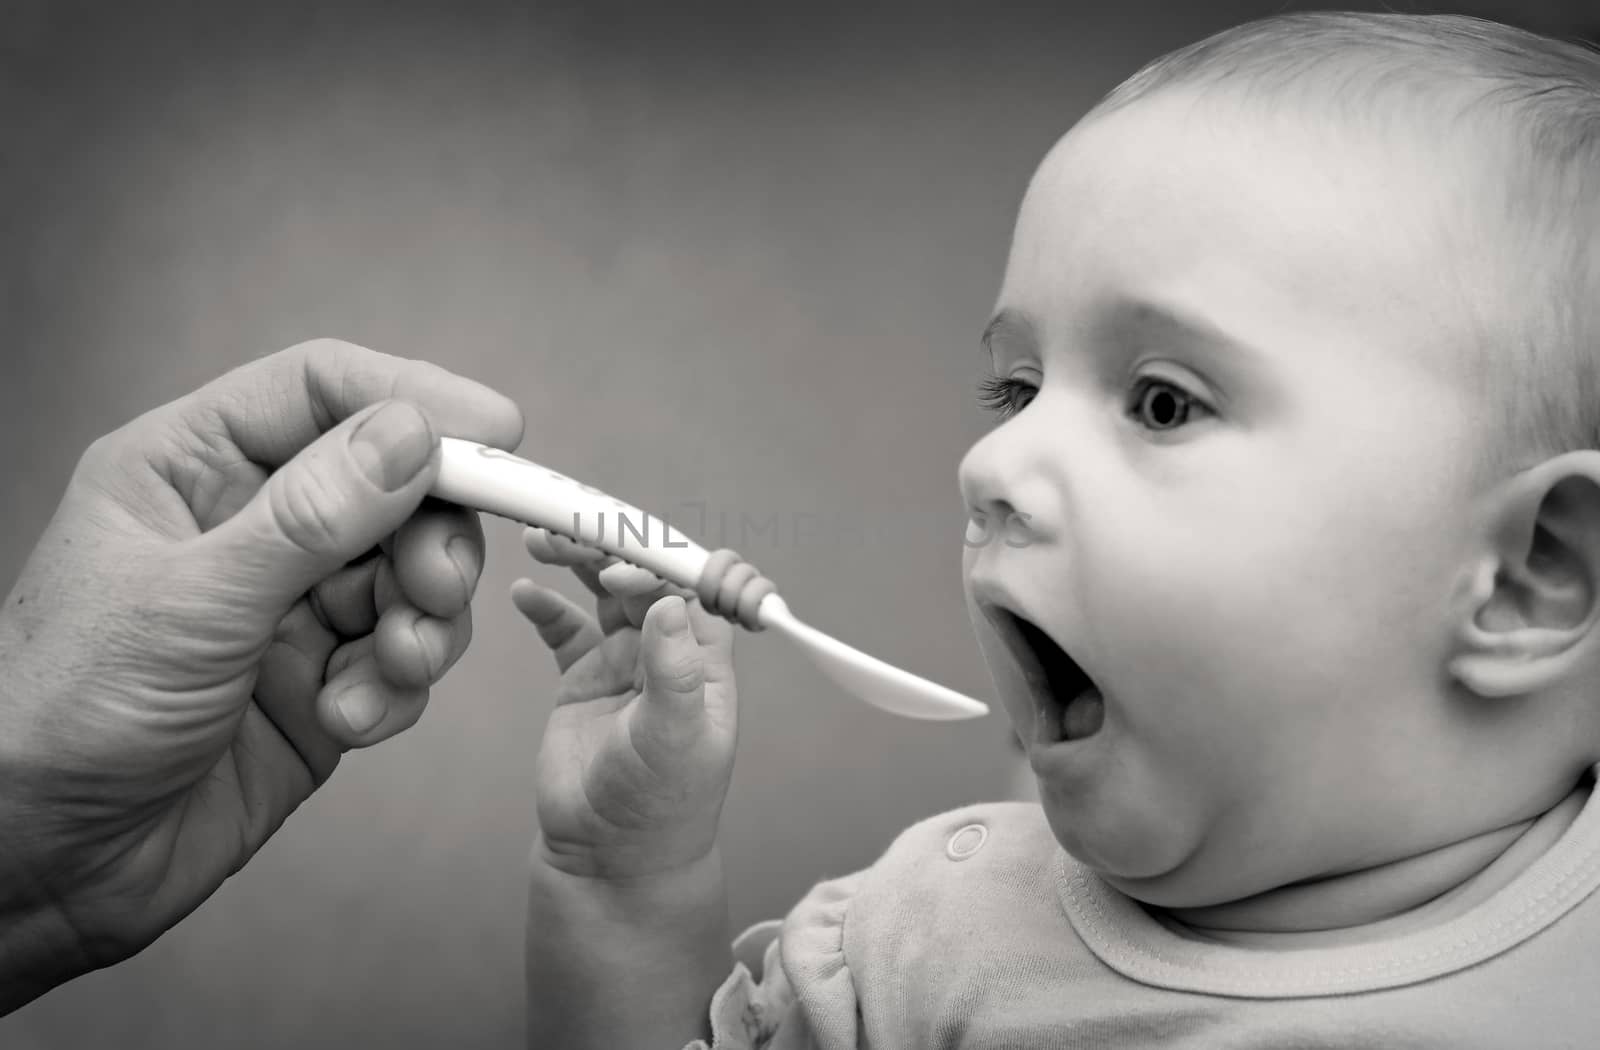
point(1180, 181)
point(1281, 235)
point(1163, 138)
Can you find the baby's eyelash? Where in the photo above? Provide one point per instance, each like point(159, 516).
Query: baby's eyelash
point(1005, 396)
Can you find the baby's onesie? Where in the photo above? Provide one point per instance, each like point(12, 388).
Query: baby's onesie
point(975, 929)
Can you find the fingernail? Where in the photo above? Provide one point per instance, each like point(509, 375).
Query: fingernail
point(460, 552)
point(673, 617)
point(392, 444)
point(360, 709)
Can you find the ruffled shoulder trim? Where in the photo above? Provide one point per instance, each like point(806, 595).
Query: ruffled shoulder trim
point(814, 960)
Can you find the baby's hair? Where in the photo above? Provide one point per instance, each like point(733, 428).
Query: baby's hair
point(1530, 276)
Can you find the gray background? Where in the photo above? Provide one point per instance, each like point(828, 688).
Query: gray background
point(732, 256)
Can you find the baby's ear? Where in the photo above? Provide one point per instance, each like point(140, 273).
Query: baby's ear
point(1533, 618)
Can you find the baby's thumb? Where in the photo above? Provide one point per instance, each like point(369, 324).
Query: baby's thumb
point(674, 671)
point(329, 504)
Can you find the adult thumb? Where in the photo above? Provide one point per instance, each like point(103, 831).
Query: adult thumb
point(329, 504)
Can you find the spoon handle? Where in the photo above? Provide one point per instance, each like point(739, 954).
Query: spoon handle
point(495, 481)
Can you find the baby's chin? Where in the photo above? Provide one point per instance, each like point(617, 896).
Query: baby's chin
point(1154, 859)
point(1164, 878)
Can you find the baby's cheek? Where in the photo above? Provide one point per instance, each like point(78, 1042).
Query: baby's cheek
point(1200, 646)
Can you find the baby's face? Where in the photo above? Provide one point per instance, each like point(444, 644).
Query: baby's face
point(1239, 493)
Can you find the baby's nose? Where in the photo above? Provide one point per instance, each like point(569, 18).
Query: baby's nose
point(981, 483)
point(994, 486)
point(1001, 524)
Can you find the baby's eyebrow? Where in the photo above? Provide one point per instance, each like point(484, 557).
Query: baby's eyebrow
point(1145, 317)
point(1008, 325)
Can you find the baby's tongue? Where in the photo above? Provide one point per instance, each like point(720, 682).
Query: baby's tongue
point(1083, 715)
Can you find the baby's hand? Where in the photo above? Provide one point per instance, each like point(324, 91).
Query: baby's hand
point(637, 755)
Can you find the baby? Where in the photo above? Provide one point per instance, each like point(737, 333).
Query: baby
point(1295, 364)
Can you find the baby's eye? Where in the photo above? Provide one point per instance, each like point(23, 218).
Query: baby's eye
point(1157, 404)
point(1005, 396)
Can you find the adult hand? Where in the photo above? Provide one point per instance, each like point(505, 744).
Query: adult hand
point(205, 627)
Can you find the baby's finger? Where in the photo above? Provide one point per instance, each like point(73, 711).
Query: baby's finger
point(627, 581)
point(638, 589)
point(715, 636)
point(567, 630)
point(675, 684)
point(551, 548)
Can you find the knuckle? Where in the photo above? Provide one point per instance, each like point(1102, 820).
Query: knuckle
point(306, 510)
point(101, 452)
point(341, 376)
point(325, 348)
point(114, 456)
point(683, 676)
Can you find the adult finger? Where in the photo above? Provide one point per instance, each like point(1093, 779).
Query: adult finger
point(438, 556)
point(359, 707)
point(289, 677)
point(413, 650)
point(277, 405)
point(345, 601)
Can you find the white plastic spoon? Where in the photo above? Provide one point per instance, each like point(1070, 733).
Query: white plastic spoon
point(498, 482)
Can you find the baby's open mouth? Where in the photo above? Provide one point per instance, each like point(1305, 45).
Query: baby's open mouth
point(1067, 703)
